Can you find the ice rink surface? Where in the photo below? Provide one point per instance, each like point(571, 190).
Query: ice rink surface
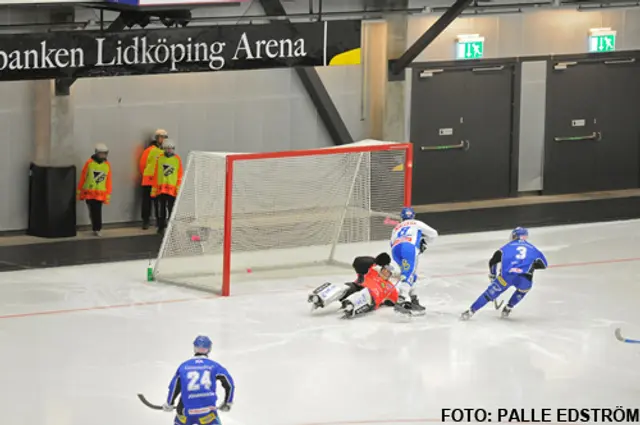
point(78, 343)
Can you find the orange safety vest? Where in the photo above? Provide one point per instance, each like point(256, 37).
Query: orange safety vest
point(168, 176)
point(95, 181)
point(148, 163)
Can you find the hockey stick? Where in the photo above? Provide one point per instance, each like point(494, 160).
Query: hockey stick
point(496, 305)
point(619, 337)
point(146, 402)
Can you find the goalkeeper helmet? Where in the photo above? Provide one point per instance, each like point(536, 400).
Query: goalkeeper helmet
point(202, 345)
point(407, 213)
point(519, 233)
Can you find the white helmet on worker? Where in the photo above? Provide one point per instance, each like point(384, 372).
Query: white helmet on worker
point(168, 144)
point(160, 133)
point(101, 148)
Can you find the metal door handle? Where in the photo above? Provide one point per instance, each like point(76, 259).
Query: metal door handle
point(464, 144)
point(489, 68)
point(613, 62)
point(596, 135)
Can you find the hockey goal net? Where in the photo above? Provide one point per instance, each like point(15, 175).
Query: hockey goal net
point(245, 216)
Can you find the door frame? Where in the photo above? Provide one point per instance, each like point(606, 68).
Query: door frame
point(516, 83)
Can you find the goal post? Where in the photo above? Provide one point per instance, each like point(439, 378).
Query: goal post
point(253, 216)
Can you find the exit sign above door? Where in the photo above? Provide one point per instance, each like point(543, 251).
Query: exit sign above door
point(602, 40)
point(469, 46)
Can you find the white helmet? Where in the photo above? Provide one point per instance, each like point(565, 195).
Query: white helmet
point(101, 148)
point(161, 132)
point(168, 144)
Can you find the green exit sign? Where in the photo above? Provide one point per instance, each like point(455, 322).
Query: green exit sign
point(469, 47)
point(602, 40)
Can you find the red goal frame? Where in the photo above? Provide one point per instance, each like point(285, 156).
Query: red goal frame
point(231, 159)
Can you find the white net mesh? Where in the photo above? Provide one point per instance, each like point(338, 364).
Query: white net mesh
point(289, 213)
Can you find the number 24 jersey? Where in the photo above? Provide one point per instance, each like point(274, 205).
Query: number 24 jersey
point(195, 381)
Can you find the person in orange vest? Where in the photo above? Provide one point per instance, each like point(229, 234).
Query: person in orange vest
point(95, 185)
point(147, 169)
point(166, 182)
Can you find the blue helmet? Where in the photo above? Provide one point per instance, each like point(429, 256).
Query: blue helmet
point(519, 233)
point(202, 344)
point(407, 213)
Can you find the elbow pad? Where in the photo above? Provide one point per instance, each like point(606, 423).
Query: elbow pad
point(538, 264)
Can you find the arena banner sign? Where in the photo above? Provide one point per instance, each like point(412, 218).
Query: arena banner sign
point(78, 54)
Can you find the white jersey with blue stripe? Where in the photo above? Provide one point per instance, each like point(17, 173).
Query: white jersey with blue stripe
point(412, 231)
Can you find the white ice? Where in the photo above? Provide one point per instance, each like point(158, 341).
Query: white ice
point(66, 360)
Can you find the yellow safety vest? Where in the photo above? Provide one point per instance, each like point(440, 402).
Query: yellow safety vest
point(168, 176)
point(95, 181)
point(149, 159)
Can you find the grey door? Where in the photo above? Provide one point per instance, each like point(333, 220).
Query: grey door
point(592, 127)
point(461, 127)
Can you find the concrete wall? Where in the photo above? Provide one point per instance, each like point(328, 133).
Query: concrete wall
point(230, 111)
point(239, 111)
point(533, 97)
point(530, 33)
point(17, 136)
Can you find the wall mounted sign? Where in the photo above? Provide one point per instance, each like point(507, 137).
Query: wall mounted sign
point(78, 54)
point(469, 46)
point(602, 40)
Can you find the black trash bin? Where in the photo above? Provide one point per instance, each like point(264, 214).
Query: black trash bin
point(52, 201)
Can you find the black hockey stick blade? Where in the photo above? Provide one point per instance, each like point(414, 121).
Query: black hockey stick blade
point(621, 338)
point(496, 305)
point(146, 402)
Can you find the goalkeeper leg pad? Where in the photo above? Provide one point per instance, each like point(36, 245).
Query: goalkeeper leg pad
point(326, 294)
point(359, 303)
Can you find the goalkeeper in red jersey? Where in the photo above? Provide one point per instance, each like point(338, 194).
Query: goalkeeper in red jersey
point(371, 289)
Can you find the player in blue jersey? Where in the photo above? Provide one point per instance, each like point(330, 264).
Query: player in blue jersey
point(409, 240)
point(195, 383)
point(519, 259)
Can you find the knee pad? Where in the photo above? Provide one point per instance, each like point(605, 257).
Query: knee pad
point(493, 291)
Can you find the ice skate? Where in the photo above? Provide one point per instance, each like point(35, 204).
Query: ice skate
point(466, 315)
point(403, 307)
point(505, 312)
point(416, 308)
point(348, 309)
point(315, 302)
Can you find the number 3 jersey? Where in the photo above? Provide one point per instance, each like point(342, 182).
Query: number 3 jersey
point(195, 383)
point(518, 257)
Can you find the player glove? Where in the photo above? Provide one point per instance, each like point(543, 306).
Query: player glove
point(225, 407)
point(423, 245)
point(492, 277)
point(167, 407)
